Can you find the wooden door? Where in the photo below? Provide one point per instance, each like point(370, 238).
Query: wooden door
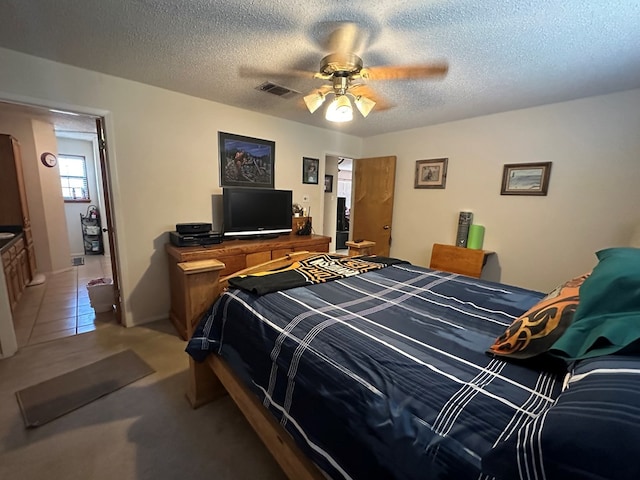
point(26, 218)
point(372, 201)
point(10, 188)
point(110, 226)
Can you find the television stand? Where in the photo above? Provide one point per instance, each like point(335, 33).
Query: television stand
point(186, 297)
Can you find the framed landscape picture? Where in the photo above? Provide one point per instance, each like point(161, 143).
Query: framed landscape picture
point(526, 178)
point(246, 161)
point(431, 173)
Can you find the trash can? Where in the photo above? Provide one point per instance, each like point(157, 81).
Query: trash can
point(101, 294)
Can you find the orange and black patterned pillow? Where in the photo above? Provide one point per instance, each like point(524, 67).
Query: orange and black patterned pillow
point(535, 331)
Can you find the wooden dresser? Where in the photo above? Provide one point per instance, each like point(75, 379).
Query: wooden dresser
point(186, 308)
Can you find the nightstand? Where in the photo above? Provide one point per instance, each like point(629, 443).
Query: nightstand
point(365, 247)
point(465, 261)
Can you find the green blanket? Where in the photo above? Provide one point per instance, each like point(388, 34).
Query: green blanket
point(607, 319)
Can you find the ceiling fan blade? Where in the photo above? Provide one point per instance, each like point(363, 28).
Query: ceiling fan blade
point(252, 72)
point(402, 72)
point(366, 91)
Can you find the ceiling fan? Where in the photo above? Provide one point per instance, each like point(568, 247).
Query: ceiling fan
point(347, 77)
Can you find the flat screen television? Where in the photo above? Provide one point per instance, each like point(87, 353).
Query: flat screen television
point(256, 212)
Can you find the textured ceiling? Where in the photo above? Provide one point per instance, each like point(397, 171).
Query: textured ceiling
point(502, 55)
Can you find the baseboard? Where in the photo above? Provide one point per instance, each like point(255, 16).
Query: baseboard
point(139, 323)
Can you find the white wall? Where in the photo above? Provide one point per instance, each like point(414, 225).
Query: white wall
point(344, 184)
point(593, 200)
point(163, 153)
point(52, 201)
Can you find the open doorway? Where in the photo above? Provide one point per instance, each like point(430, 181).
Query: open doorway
point(343, 206)
point(63, 299)
point(80, 173)
point(337, 203)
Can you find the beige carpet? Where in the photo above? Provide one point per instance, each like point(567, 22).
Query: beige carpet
point(145, 430)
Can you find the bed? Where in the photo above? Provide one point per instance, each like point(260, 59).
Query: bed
point(385, 373)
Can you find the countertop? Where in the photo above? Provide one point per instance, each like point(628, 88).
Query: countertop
point(7, 242)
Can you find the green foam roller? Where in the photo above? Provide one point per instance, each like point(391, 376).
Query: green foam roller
point(476, 237)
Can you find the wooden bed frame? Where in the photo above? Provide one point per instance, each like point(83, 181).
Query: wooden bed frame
point(213, 378)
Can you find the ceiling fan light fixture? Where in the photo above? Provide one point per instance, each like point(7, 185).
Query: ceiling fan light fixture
point(340, 110)
point(364, 104)
point(314, 100)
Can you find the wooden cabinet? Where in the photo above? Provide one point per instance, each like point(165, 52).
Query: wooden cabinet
point(9, 275)
point(23, 267)
point(465, 261)
point(16, 269)
point(235, 255)
point(14, 211)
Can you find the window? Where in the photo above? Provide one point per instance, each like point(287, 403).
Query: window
point(73, 177)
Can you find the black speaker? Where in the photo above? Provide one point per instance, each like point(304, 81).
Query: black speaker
point(190, 228)
point(341, 218)
point(464, 220)
point(217, 213)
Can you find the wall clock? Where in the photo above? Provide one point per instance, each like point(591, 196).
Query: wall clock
point(48, 159)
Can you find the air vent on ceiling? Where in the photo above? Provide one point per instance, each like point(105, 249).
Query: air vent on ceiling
point(278, 90)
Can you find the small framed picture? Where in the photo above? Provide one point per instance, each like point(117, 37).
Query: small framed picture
point(328, 183)
point(431, 173)
point(526, 178)
point(310, 168)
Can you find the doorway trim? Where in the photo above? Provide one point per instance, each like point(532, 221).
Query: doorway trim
point(326, 197)
point(114, 194)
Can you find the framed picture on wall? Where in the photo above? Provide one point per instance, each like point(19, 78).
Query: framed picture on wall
point(328, 183)
point(310, 167)
point(246, 161)
point(431, 173)
point(526, 178)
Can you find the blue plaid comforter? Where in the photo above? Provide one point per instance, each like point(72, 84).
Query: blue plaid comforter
point(384, 374)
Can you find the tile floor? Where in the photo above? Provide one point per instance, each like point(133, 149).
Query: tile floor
point(60, 306)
